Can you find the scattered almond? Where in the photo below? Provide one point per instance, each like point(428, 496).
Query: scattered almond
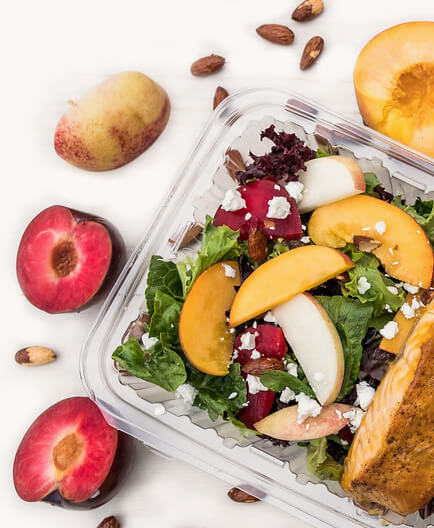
point(136, 328)
point(276, 33)
point(34, 355)
point(311, 51)
point(366, 244)
point(255, 367)
point(207, 65)
point(192, 233)
point(234, 163)
point(343, 277)
point(307, 10)
point(109, 522)
point(220, 94)
point(238, 495)
point(257, 245)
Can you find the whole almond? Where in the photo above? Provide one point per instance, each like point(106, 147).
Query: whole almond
point(307, 10)
point(311, 51)
point(257, 245)
point(276, 33)
point(109, 522)
point(220, 94)
point(238, 495)
point(207, 65)
point(254, 367)
point(234, 163)
point(33, 356)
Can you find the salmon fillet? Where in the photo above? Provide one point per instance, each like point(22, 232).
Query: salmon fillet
point(391, 459)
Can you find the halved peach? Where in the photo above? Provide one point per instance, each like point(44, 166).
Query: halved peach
point(405, 250)
point(394, 83)
point(283, 277)
point(203, 330)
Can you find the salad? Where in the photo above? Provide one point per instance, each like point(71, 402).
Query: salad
point(308, 281)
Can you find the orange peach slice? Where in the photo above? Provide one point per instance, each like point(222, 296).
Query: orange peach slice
point(405, 250)
point(394, 83)
point(285, 276)
point(203, 330)
point(283, 424)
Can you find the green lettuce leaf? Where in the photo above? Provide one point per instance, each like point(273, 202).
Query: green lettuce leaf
point(320, 463)
point(160, 364)
point(214, 391)
point(351, 319)
point(422, 211)
point(321, 153)
point(218, 243)
point(163, 276)
point(165, 319)
point(371, 182)
point(278, 380)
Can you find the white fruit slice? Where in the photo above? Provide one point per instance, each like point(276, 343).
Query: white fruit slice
point(315, 342)
point(284, 424)
point(329, 179)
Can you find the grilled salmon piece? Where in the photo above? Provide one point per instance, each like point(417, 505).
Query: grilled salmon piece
point(391, 460)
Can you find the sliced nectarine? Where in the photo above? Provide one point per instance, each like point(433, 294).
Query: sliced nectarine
point(405, 250)
point(394, 83)
point(405, 325)
point(203, 330)
point(283, 277)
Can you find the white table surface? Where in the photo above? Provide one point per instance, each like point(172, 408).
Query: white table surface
point(53, 51)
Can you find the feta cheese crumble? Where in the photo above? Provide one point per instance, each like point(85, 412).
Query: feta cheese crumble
point(158, 409)
point(410, 288)
point(255, 355)
point(287, 395)
point(306, 407)
point(255, 384)
point(232, 395)
point(393, 289)
point(233, 201)
point(292, 369)
point(363, 285)
point(229, 271)
point(408, 310)
point(295, 190)
point(248, 216)
point(365, 393)
point(380, 227)
point(186, 392)
point(247, 341)
point(389, 330)
point(355, 416)
point(277, 187)
point(147, 341)
point(269, 318)
point(305, 239)
point(278, 207)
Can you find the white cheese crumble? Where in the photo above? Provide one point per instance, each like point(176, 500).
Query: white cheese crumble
point(232, 330)
point(295, 190)
point(292, 369)
point(393, 289)
point(387, 308)
point(287, 395)
point(380, 227)
point(233, 201)
point(355, 416)
point(158, 409)
point(305, 239)
point(306, 407)
point(365, 393)
point(248, 216)
point(186, 392)
point(408, 310)
point(247, 341)
point(255, 355)
point(269, 318)
point(232, 395)
point(363, 285)
point(366, 228)
point(277, 187)
point(229, 271)
point(147, 341)
point(410, 288)
point(278, 207)
point(389, 330)
point(303, 227)
point(235, 355)
point(255, 384)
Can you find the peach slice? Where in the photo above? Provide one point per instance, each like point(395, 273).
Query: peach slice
point(203, 330)
point(405, 250)
point(328, 180)
point(283, 424)
point(283, 277)
point(394, 83)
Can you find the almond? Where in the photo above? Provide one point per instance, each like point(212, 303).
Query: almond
point(307, 10)
point(238, 495)
point(192, 233)
point(220, 94)
point(136, 328)
point(311, 51)
point(366, 244)
point(34, 355)
point(234, 163)
point(255, 367)
point(257, 245)
point(207, 65)
point(276, 33)
point(109, 522)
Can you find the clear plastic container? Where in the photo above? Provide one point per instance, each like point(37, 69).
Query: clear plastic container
point(263, 470)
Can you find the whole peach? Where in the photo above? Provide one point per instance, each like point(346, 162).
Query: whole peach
point(113, 123)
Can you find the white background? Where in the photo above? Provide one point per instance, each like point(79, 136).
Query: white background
point(52, 51)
